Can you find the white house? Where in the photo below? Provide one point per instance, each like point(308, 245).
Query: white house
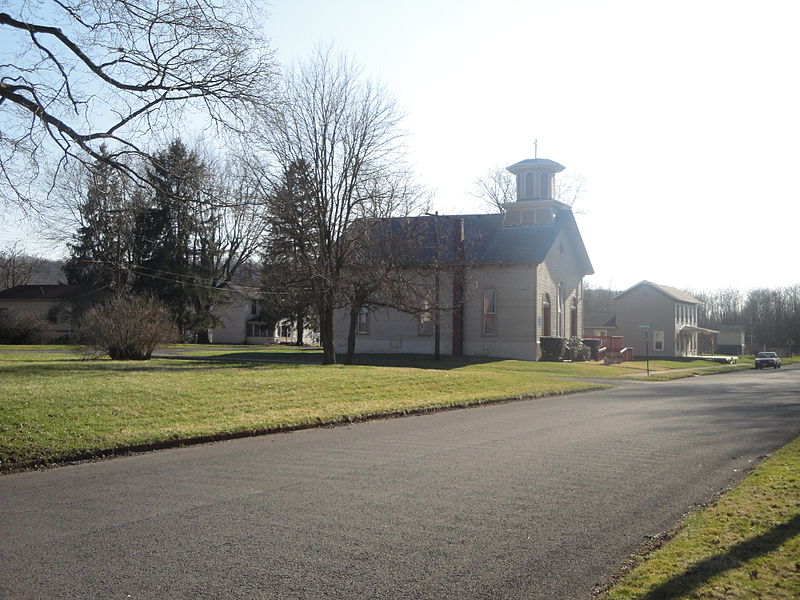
point(241, 322)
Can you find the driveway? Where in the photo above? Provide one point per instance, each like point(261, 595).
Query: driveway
point(533, 499)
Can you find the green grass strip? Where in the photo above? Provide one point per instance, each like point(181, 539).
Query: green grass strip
point(745, 546)
point(56, 407)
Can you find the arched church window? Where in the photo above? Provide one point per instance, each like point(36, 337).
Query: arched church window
point(544, 185)
point(547, 316)
point(529, 185)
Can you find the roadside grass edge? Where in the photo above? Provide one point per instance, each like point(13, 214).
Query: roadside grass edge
point(743, 543)
point(182, 442)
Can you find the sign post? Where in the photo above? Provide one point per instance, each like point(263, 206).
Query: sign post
point(646, 346)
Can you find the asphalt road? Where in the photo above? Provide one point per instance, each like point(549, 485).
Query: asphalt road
point(535, 499)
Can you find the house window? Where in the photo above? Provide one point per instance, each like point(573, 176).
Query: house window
point(547, 316)
point(489, 312)
point(52, 315)
point(253, 307)
point(658, 341)
point(362, 324)
point(258, 330)
point(3, 313)
point(285, 330)
point(425, 323)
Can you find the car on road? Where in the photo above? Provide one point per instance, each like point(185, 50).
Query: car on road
point(767, 359)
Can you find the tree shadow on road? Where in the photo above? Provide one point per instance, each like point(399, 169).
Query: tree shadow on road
point(699, 573)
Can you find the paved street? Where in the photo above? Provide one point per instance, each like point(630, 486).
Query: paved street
point(536, 499)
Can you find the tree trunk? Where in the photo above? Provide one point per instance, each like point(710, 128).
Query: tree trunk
point(351, 334)
point(301, 324)
point(326, 331)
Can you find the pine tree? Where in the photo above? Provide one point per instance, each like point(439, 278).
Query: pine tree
point(100, 250)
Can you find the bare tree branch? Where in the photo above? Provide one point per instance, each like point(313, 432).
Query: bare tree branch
point(345, 132)
point(79, 73)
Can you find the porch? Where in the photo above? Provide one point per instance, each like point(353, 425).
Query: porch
point(691, 340)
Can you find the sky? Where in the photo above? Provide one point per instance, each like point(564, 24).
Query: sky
point(683, 117)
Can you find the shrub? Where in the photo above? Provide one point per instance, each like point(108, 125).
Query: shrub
point(127, 327)
point(553, 348)
point(577, 351)
point(594, 346)
point(26, 328)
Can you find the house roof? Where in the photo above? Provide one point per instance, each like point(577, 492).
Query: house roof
point(600, 319)
point(695, 329)
point(674, 293)
point(487, 240)
point(49, 292)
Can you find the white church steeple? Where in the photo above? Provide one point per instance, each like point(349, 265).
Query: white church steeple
point(535, 178)
point(535, 205)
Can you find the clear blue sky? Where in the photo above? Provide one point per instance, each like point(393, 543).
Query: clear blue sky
point(682, 116)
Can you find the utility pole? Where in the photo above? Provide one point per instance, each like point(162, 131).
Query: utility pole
point(437, 333)
point(646, 346)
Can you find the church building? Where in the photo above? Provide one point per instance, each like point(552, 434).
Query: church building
point(502, 280)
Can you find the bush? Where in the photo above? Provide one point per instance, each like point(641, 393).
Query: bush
point(26, 328)
point(577, 351)
point(127, 328)
point(594, 346)
point(553, 348)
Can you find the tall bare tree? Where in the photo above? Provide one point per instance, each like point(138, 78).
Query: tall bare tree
point(495, 188)
point(16, 265)
point(79, 73)
point(347, 129)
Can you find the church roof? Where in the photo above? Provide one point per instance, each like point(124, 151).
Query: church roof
point(486, 239)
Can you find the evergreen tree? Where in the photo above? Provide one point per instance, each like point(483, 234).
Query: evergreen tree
point(100, 250)
point(290, 249)
point(166, 234)
point(202, 223)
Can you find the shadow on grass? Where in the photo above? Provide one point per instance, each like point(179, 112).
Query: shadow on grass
point(701, 572)
point(243, 359)
point(418, 361)
point(177, 365)
point(413, 361)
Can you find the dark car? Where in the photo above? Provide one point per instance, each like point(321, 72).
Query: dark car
point(767, 359)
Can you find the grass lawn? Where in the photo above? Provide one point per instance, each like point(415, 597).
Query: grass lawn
point(744, 546)
point(56, 406)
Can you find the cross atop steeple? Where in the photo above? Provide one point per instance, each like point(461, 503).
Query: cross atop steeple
point(536, 148)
